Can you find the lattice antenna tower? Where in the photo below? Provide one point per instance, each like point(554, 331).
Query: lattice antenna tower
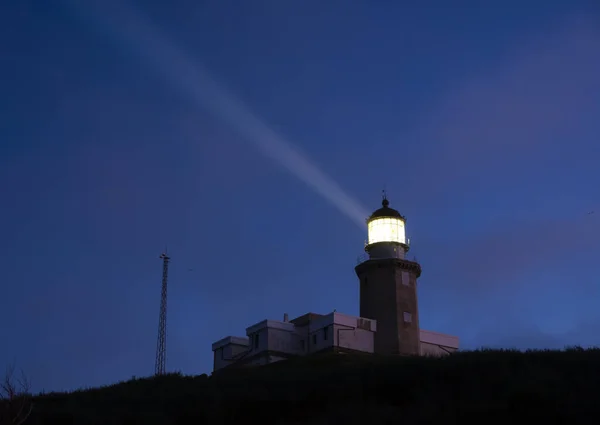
point(161, 343)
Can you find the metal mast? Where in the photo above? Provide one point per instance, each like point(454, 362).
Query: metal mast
point(161, 343)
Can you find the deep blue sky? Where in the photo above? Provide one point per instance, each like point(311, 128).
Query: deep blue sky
point(482, 122)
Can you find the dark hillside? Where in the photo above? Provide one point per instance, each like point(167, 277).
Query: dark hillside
point(486, 386)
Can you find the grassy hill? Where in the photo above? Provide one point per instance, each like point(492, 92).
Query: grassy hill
point(488, 386)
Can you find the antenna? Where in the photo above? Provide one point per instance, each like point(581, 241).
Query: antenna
point(161, 343)
point(384, 193)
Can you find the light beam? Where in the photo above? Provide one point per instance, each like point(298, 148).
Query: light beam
point(193, 81)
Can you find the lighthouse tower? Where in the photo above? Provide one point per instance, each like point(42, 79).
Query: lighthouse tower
point(388, 284)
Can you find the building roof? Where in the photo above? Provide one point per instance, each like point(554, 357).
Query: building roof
point(305, 319)
point(386, 211)
point(235, 340)
point(437, 338)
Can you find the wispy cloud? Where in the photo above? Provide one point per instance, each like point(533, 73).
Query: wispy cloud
point(511, 154)
point(512, 333)
point(195, 83)
point(504, 253)
point(497, 134)
point(511, 114)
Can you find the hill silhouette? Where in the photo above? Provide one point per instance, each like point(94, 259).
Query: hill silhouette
point(490, 386)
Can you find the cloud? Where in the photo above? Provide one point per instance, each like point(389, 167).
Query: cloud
point(501, 282)
point(515, 335)
point(195, 83)
point(501, 120)
point(514, 247)
point(501, 144)
point(512, 333)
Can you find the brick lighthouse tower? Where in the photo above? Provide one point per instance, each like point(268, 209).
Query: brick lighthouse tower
point(388, 284)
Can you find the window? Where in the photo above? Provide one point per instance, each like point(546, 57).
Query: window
point(256, 340)
point(407, 317)
point(325, 332)
point(314, 339)
point(405, 278)
point(302, 344)
point(386, 229)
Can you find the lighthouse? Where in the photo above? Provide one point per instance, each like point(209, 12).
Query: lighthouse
point(388, 284)
point(388, 323)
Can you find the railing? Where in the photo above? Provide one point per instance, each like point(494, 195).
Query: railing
point(362, 258)
point(407, 242)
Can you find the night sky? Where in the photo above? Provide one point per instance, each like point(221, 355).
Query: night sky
point(481, 123)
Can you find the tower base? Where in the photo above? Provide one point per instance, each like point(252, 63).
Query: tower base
point(388, 294)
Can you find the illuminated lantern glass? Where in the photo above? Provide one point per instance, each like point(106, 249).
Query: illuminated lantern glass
point(386, 229)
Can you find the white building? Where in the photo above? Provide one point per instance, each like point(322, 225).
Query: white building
point(388, 304)
point(270, 341)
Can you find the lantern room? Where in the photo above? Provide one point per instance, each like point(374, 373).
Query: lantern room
point(386, 233)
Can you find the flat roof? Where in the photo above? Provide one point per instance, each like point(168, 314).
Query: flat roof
point(437, 338)
point(233, 340)
point(306, 318)
point(273, 324)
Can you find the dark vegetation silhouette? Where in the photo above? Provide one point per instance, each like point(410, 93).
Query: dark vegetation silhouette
point(15, 400)
point(489, 386)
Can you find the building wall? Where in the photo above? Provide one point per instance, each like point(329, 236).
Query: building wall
point(270, 340)
point(226, 350)
point(320, 334)
point(283, 340)
point(280, 340)
point(388, 290)
point(262, 359)
point(435, 350)
point(437, 344)
point(258, 340)
point(273, 359)
point(258, 360)
point(301, 338)
point(354, 339)
point(321, 337)
point(338, 330)
point(269, 334)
